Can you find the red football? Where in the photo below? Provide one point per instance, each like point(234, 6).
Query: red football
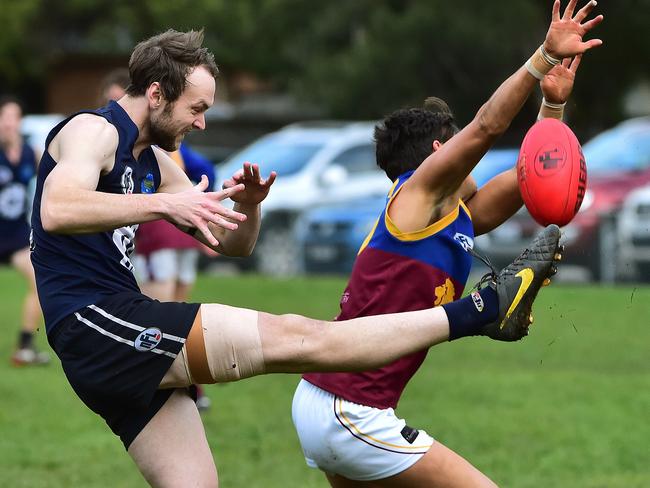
point(552, 172)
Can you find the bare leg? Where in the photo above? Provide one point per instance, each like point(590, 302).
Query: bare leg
point(241, 343)
point(172, 449)
point(296, 344)
point(31, 306)
point(440, 467)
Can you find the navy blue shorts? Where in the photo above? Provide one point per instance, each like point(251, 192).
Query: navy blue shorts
point(14, 238)
point(115, 353)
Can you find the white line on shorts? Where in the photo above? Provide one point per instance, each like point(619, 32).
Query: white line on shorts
point(116, 337)
point(130, 325)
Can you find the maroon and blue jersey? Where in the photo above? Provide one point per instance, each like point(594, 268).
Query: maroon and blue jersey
point(14, 183)
point(399, 272)
point(76, 270)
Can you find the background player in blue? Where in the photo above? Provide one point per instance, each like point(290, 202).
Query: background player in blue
point(17, 168)
point(131, 359)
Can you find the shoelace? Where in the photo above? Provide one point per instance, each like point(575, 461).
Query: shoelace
point(487, 277)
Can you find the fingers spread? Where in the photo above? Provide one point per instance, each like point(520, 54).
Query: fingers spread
point(269, 181)
point(555, 15)
point(584, 11)
point(568, 13)
point(207, 234)
point(229, 192)
point(591, 43)
point(587, 26)
point(575, 63)
point(203, 184)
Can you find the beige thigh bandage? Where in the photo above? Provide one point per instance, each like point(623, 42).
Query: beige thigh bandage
point(224, 345)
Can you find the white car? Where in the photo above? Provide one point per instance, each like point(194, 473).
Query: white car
point(317, 163)
point(633, 233)
point(35, 128)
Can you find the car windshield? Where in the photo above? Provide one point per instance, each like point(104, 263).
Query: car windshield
point(272, 154)
point(618, 150)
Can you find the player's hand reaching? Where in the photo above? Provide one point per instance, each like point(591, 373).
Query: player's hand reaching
point(256, 187)
point(195, 208)
point(558, 83)
point(564, 36)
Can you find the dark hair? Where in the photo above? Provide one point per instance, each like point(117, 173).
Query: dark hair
point(405, 138)
point(8, 99)
point(168, 58)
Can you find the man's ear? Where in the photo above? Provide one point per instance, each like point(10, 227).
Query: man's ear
point(154, 95)
point(436, 145)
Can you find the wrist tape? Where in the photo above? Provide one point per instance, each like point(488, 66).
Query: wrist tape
point(540, 63)
point(548, 110)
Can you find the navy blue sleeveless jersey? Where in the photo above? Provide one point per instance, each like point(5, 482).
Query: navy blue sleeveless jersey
point(14, 183)
point(76, 270)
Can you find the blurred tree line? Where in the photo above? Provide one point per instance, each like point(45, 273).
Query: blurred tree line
point(354, 58)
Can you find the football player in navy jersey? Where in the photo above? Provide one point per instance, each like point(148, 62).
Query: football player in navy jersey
point(131, 359)
point(17, 168)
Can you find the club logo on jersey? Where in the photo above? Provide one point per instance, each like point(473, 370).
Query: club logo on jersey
point(5, 175)
point(445, 293)
point(13, 201)
point(127, 180)
point(147, 184)
point(478, 301)
point(466, 242)
point(148, 339)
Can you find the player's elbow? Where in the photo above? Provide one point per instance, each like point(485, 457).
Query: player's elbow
point(50, 220)
point(54, 217)
point(490, 123)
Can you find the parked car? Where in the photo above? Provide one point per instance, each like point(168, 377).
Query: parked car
point(330, 236)
point(35, 128)
point(618, 161)
point(633, 235)
point(317, 163)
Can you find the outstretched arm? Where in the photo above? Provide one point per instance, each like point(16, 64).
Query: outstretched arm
point(434, 185)
point(499, 198)
point(84, 150)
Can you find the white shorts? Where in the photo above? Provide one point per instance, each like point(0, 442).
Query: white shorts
point(355, 441)
point(168, 264)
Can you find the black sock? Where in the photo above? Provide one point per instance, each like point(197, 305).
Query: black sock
point(468, 315)
point(25, 340)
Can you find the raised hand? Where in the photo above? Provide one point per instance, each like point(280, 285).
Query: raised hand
point(558, 83)
point(564, 36)
point(256, 187)
point(195, 208)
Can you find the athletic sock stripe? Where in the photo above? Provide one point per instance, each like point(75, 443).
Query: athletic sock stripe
point(139, 328)
point(117, 338)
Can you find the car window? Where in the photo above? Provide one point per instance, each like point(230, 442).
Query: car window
point(286, 158)
point(618, 150)
point(358, 159)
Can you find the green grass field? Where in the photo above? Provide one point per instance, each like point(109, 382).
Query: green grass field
point(567, 407)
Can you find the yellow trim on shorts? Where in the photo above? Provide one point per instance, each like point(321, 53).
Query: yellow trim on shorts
point(387, 444)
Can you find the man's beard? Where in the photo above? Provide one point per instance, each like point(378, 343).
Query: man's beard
point(161, 132)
